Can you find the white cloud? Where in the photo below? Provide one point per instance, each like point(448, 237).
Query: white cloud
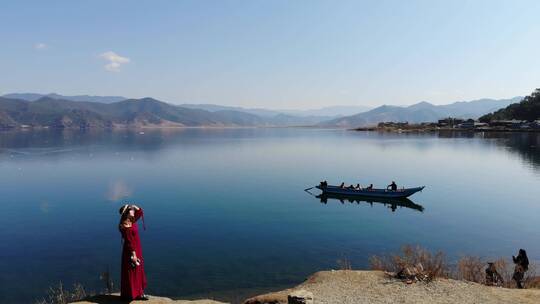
point(115, 61)
point(41, 46)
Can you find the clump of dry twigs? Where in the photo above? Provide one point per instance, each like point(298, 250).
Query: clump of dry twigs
point(413, 263)
point(344, 264)
point(59, 295)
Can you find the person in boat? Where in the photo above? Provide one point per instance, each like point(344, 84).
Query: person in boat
point(323, 184)
point(342, 186)
point(522, 265)
point(351, 187)
point(370, 187)
point(358, 187)
point(392, 186)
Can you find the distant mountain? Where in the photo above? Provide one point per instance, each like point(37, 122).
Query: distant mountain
point(421, 112)
point(273, 117)
point(145, 112)
point(87, 98)
point(328, 112)
point(528, 109)
point(215, 108)
point(287, 117)
point(335, 111)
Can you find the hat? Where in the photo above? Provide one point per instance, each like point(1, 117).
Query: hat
point(124, 208)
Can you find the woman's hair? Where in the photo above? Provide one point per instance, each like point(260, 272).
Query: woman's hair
point(125, 216)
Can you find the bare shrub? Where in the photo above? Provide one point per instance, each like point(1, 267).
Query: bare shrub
point(506, 271)
point(344, 264)
point(432, 265)
point(531, 279)
point(59, 295)
point(78, 292)
point(470, 268)
point(379, 263)
point(106, 278)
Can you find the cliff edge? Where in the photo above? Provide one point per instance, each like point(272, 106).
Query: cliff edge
point(374, 287)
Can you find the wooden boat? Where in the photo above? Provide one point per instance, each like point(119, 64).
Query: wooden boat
point(379, 193)
point(392, 203)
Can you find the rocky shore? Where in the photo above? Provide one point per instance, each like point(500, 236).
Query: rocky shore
point(374, 287)
point(369, 287)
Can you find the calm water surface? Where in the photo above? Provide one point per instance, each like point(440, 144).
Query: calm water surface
point(225, 209)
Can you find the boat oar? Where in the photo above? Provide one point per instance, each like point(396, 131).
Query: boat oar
point(307, 190)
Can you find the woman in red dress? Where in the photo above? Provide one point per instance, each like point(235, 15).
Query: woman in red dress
point(133, 279)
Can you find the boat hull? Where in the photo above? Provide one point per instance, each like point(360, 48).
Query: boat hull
point(376, 193)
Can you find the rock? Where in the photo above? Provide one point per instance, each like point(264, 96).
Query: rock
point(300, 296)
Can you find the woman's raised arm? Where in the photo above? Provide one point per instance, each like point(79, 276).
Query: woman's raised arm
point(138, 212)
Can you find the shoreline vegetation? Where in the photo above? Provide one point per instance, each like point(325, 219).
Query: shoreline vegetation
point(414, 275)
point(455, 125)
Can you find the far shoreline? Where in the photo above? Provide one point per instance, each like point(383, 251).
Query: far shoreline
point(436, 130)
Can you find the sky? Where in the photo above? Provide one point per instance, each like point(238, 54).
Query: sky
point(274, 54)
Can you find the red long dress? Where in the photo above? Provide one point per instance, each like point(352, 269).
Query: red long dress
point(133, 279)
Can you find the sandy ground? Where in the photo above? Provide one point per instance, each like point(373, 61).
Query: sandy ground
point(115, 299)
point(374, 287)
point(370, 287)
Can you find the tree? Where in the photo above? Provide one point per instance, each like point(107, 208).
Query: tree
point(528, 109)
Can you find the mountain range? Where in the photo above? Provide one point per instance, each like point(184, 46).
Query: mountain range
point(88, 98)
point(325, 112)
point(59, 113)
point(83, 111)
point(421, 112)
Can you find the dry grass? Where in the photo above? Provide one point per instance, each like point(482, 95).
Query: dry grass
point(468, 268)
point(433, 265)
point(59, 295)
point(106, 278)
point(344, 263)
point(532, 280)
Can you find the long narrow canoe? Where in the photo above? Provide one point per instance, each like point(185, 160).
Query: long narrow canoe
point(381, 193)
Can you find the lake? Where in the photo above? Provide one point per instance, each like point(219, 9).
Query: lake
point(226, 212)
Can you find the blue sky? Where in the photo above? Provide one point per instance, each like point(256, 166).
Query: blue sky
point(274, 54)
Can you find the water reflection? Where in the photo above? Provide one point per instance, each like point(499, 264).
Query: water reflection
point(392, 204)
point(524, 144)
point(527, 145)
point(53, 143)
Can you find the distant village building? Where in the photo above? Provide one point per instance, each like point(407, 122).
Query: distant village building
point(449, 122)
point(513, 123)
point(390, 124)
point(469, 124)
